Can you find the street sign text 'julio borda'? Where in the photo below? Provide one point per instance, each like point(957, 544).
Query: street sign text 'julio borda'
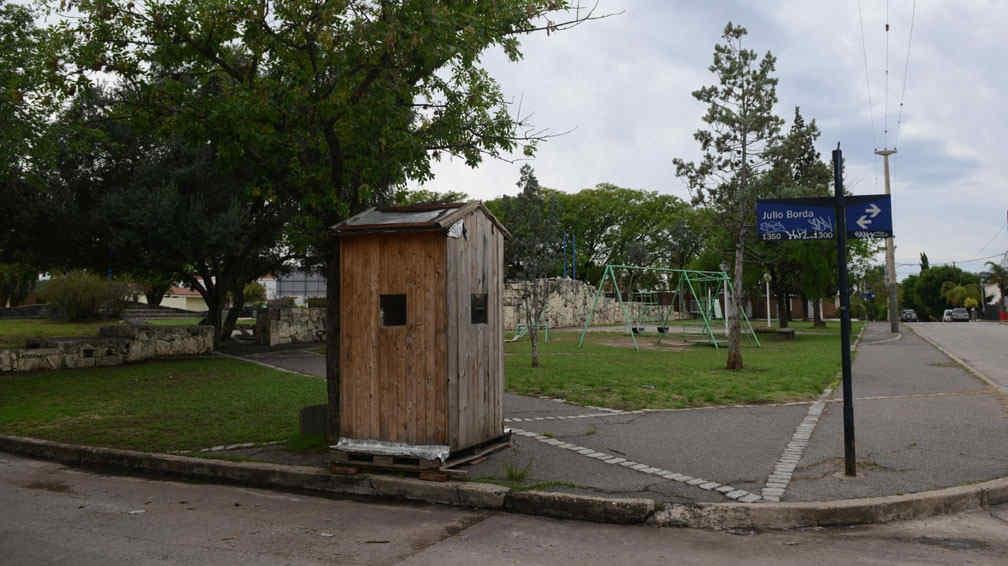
point(815, 218)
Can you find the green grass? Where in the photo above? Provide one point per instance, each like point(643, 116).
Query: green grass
point(158, 406)
point(177, 321)
point(618, 377)
point(14, 332)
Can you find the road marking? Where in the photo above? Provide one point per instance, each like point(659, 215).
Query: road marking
point(726, 490)
point(264, 364)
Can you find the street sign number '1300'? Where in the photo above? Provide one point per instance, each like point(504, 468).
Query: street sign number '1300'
point(815, 218)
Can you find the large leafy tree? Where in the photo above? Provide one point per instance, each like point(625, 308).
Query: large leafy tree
point(355, 97)
point(736, 147)
point(25, 102)
point(931, 287)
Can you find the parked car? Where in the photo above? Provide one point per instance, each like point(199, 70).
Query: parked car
point(908, 315)
point(960, 315)
point(947, 315)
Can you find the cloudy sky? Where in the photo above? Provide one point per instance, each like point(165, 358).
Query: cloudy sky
point(623, 86)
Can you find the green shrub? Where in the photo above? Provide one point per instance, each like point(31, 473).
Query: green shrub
point(79, 295)
point(254, 293)
point(317, 302)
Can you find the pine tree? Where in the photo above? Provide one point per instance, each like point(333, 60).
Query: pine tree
point(737, 147)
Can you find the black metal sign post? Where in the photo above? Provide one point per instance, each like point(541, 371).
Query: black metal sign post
point(850, 463)
point(822, 218)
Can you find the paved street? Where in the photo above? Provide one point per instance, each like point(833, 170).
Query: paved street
point(55, 515)
point(982, 345)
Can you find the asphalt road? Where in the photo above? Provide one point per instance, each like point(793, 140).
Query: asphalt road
point(55, 515)
point(982, 345)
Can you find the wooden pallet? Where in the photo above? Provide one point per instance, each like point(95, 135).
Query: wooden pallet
point(349, 463)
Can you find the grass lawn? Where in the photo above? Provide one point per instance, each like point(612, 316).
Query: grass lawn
point(14, 332)
point(158, 406)
point(193, 321)
point(612, 376)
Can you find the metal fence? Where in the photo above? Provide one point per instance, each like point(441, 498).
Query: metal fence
point(301, 284)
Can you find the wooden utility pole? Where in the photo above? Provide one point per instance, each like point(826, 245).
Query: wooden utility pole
point(890, 254)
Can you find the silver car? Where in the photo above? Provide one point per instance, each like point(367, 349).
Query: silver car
point(960, 315)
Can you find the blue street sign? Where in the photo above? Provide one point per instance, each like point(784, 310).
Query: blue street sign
point(814, 218)
point(795, 219)
point(868, 216)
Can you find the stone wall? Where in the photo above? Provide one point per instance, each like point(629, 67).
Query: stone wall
point(115, 345)
point(567, 307)
point(287, 325)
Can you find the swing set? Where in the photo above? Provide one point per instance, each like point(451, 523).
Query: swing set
point(670, 295)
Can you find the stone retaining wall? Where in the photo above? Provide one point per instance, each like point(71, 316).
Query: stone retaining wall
point(287, 325)
point(115, 345)
point(567, 307)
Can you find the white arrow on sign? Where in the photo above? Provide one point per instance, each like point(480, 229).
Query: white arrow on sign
point(863, 222)
point(873, 210)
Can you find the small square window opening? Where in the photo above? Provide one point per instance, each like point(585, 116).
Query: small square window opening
point(478, 308)
point(393, 310)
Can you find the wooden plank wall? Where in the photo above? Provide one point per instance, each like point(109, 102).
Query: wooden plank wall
point(393, 378)
point(475, 351)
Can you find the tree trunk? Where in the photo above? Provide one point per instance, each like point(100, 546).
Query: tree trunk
point(228, 323)
point(734, 327)
point(782, 310)
point(155, 294)
point(804, 307)
point(534, 339)
point(333, 339)
point(816, 314)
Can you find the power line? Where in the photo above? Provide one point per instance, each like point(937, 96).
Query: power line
point(991, 241)
point(885, 102)
point(867, 76)
point(906, 74)
point(945, 262)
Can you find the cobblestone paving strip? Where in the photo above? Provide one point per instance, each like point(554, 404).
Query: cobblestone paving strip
point(779, 479)
point(707, 485)
point(617, 412)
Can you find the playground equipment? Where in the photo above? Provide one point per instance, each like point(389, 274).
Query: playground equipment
point(521, 331)
point(670, 295)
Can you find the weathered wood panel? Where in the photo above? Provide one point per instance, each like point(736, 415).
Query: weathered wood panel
point(393, 376)
point(475, 351)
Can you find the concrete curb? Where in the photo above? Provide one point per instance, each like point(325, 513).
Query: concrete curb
point(315, 481)
point(834, 513)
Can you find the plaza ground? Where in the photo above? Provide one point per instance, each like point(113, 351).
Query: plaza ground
point(922, 422)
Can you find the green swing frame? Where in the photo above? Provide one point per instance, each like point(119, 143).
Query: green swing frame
point(690, 279)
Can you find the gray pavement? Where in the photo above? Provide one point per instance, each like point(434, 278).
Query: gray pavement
point(55, 515)
point(982, 345)
point(302, 360)
point(921, 422)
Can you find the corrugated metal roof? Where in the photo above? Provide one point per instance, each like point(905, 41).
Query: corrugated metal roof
point(376, 217)
point(414, 218)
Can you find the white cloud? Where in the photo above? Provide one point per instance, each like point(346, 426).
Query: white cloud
point(624, 85)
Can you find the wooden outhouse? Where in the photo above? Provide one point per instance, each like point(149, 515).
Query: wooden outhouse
point(421, 353)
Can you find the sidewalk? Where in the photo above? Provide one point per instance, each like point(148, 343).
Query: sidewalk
point(921, 423)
